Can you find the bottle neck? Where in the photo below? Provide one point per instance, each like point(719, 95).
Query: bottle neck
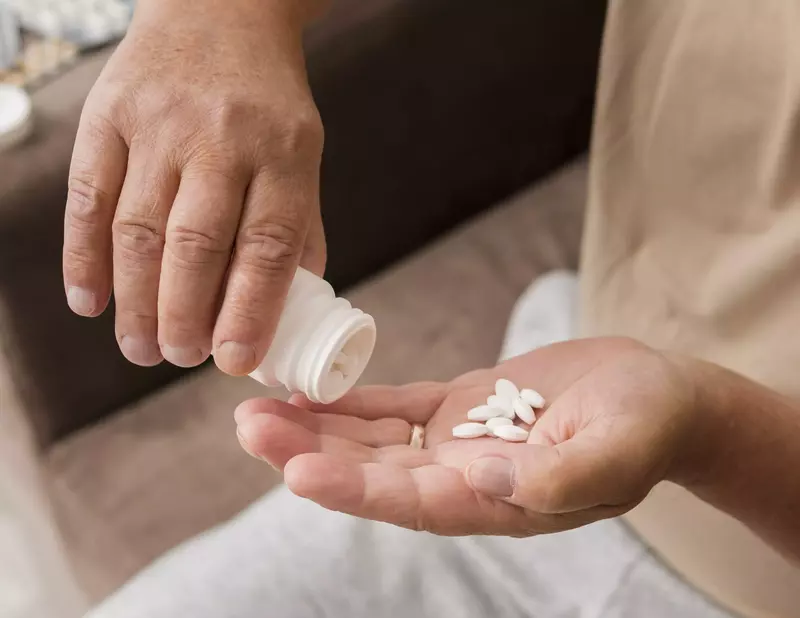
point(336, 353)
point(322, 344)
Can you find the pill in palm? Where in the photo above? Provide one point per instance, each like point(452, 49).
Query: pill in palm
point(501, 403)
point(498, 421)
point(524, 412)
point(470, 430)
point(510, 433)
point(532, 398)
point(506, 389)
point(483, 413)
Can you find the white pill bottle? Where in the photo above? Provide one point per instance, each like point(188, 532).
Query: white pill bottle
point(322, 344)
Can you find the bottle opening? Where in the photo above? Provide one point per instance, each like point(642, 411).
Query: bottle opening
point(345, 359)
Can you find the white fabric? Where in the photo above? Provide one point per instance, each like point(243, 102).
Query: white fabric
point(286, 557)
point(546, 313)
point(35, 577)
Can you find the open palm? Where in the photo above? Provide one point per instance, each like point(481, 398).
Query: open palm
point(617, 417)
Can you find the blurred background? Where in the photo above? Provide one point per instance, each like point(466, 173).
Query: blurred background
point(452, 176)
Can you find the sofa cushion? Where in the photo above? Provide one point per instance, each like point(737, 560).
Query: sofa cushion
point(169, 467)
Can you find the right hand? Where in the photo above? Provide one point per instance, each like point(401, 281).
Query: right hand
point(194, 185)
point(621, 417)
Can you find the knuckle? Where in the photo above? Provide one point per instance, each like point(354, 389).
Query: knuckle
point(214, 162)
point(225, 116)
point(118, 106)
point(80, 258)
point(109, 105)
point(192, 248)
point(269, 247)
point(139, 317)
point(231, 126)
point(244, 315)
point(301, 132)
point(87, 201)
point(138, 239)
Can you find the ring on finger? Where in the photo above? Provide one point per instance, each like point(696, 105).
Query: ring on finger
point(417, 440)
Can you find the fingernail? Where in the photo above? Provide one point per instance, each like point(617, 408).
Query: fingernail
point(140, 351)
point(82, 301)
point(242, 441)
point(493, 476)
point(236, 358)
point(246, 447)
point(183, 357)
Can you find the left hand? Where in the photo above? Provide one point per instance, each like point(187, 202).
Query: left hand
point(194, 184)
point(619, 419)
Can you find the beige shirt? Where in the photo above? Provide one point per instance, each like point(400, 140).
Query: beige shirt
point(693, 236)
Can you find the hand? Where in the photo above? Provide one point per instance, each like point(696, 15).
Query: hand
point(618, 419)
point(194, 184)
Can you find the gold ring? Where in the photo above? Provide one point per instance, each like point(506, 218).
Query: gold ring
point(417, 437)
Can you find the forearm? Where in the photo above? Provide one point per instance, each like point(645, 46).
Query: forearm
point(745, 459)
point(259, 33)
point(297, 13)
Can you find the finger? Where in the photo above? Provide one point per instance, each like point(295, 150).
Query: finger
point(199, 240)
point(278, 437)
point(578, 474)
point(96, 175)
point(276, 440)
point(432, 497)
point(315, 252)
point(139, 227)
point(377, 433)
point(414, 403)
point(267, 251)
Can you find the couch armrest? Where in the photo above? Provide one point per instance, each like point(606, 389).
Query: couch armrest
point(434, 109)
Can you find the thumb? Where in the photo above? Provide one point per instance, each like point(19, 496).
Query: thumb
point(574, 475)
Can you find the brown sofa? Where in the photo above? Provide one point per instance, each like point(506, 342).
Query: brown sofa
point(435, 110)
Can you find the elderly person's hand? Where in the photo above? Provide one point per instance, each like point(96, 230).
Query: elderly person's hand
point(620, 419)
point(194, 186)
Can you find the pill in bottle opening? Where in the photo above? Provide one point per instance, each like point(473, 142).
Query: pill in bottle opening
point(349, 362)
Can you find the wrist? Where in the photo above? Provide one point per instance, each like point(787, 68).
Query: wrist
point(292, 15)
point(742, 452)
point(738, 431)
point(699, 460)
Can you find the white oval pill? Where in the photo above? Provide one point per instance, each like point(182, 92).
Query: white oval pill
point(470, 430)
point(501, 403)
point(499, 421)
point(532, 398)
point(524, 412)
point(336, 376)
point(483, 413)
point(506, 389)
point(510, 433)
point(345, 363)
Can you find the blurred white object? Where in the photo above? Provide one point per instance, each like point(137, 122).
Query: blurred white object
point(36, 580)
point(16, 116)
point(10, 40)
point(87, 23)
point(547, 312)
